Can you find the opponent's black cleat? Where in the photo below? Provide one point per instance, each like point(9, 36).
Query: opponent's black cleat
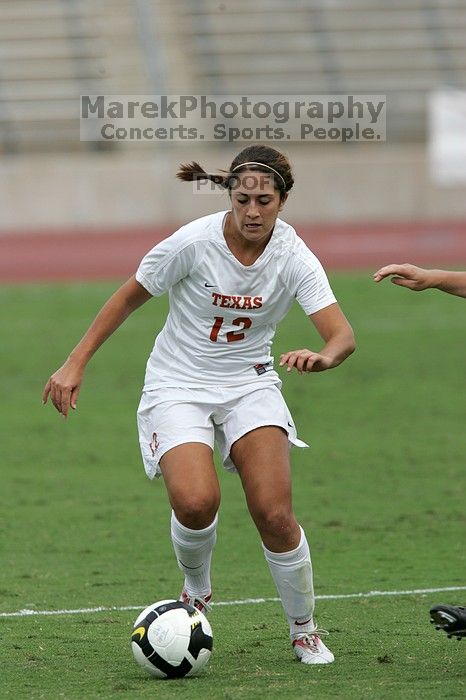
point(450, 618)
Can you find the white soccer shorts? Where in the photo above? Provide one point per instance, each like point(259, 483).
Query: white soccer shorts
point(168, 417)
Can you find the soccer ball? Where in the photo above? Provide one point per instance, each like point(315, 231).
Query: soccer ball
point(171, 639)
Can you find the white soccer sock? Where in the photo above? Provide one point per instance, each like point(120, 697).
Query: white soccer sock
point(292, 573)
point(193, 549)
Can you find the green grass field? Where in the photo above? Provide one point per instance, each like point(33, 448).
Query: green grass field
point(380, 494)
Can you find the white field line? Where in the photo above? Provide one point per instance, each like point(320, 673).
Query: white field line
point(246, 601)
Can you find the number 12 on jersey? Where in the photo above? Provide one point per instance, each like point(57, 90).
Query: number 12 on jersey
point(243, 322)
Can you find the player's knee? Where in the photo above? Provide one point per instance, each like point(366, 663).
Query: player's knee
point(197, 511)
point(277, 521)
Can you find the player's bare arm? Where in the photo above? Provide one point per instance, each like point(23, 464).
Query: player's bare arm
point(64, 385)
point(417, 278)
point(335, 331)
point(451, 282)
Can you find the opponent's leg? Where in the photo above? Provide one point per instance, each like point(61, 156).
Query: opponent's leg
point(262, 459)
point(194, 493)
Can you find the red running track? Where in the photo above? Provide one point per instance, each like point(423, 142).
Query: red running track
point(110, 254)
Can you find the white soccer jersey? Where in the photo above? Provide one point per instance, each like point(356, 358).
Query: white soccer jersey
point(223, 314)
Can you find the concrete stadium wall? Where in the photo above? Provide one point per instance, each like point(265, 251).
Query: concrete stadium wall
point(333, 184)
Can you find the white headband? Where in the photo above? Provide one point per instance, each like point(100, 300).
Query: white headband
point(263, 165)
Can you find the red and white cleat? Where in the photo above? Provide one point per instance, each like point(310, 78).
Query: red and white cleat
point(310, 649)
point(201, 604)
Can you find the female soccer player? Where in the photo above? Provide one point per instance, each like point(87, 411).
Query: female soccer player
point(231, 277)
point(450, 618)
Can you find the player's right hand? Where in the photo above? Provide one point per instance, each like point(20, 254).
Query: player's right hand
point(63, 387)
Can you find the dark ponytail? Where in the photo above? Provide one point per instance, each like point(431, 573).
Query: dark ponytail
point(189, 172)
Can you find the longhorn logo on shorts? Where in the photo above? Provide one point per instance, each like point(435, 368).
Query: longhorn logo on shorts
point(154, 444)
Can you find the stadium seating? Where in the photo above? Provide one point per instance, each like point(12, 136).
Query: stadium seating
point(52, 51)
point(403, 49)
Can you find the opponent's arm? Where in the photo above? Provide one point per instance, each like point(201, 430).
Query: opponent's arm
point(64, 385)
point(418, 279)
point(335, 331)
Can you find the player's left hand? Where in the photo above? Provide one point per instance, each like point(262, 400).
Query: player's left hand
point(305, 361)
